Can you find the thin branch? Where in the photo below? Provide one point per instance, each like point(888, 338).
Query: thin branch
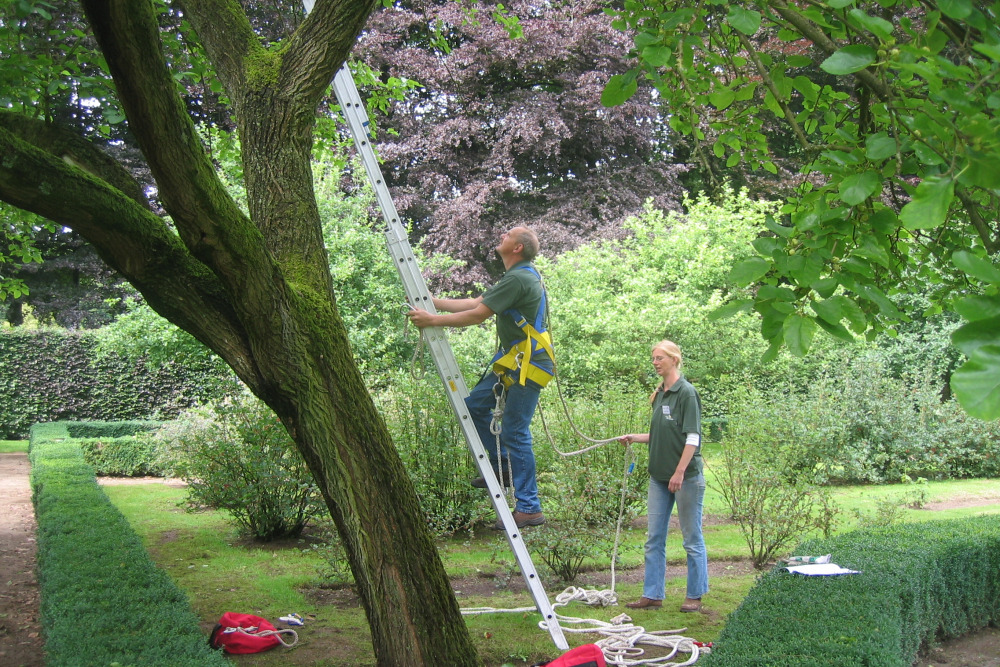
point(779, 98)
point(990, 240)
point(813, 32)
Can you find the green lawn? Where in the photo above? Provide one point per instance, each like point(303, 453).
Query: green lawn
point(7, 446)
point(223, 573)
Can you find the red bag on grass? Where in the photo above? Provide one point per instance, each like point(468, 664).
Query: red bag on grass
point(246, 633)
point(588, 655)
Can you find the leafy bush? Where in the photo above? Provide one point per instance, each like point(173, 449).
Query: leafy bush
point(50, 374)
point(129, 456)
point(855, 423)
point(918, 583)
point(103, 601)
point(589, 486)
point(773, 503)
point(237, 456)
point(97, 429)
point(434, 452)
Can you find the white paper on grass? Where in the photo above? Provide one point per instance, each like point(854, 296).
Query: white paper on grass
point(820, 569)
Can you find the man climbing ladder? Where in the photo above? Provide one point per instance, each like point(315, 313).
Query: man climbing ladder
point(522, 367)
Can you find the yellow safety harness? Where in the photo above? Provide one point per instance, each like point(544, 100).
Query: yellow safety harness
point(510, 365)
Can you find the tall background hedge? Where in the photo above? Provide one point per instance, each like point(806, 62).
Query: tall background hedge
point(52, 375)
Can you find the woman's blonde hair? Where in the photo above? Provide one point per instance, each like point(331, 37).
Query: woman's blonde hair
point(672, 350)
point(669, 348)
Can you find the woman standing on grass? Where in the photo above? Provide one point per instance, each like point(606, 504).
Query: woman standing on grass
point(675, 475)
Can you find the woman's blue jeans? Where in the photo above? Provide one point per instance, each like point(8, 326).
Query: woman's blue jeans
point(515, 435)
point(690, 500)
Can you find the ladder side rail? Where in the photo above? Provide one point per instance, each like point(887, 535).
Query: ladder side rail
point(437, 342)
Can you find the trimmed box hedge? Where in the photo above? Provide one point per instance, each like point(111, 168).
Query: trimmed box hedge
point(103, 600)
point(918, 583)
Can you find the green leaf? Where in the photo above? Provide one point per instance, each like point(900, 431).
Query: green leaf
point(836, 330)
point(771, 224)
point(730, 309)
point(875, 295)
point(973, 335)
point(876, 26)
point(619, 89)
point(879, 146)
point(975, 308)
point(990, 50)
point(976, 383)
point(799, 61)
point(734, 160)
point(840, 4)
point(859, 187)
point(721, 99)
point(830, 310)
point(976, 267)
point(983, 169)
point(955, 9)
point(772, 350)
point(930, 203)
point(856, 319)
point(825, 287)
point(746, 21)
point(749, 270)
point(799, 331)
point(849, 60)
point(869, 248)
point(657, 56)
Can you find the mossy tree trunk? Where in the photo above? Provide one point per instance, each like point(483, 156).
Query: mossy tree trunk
point(257, 289)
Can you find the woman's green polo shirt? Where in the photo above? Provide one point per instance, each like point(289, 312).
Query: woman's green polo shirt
point(676, 412)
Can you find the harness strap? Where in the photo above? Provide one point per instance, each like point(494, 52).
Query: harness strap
point(536, 339)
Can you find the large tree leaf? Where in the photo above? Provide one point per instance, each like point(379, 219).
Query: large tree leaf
point(721, 99)
point(799, 331)
point(836, 330)
point(749, 270)
point(849, 60)
point(730, 309)
point(976, 383)
point(879, 146)
point(955, 9)
point(878, 27)
point(930, 203)
point(619, 89)
point(977, 267)
point(746, 21)
point(971, 336)
point(975, 308)
point(858, 187)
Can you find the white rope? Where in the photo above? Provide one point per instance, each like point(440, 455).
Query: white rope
point(622, 639)
point(268, 633)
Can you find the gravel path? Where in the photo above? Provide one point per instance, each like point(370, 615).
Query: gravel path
point(20, 632)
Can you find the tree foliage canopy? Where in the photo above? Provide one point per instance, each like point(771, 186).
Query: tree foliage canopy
point(894, 108)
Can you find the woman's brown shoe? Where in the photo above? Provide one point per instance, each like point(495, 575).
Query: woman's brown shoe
point(691, 605)
point(645, 603)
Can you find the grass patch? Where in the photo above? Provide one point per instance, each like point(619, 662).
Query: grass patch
point(221, 572)
point(9, 446)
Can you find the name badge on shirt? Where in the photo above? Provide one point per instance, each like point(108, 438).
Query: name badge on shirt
point(666, 412)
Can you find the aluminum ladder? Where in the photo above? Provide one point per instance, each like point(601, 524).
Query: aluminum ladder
point(437, 342)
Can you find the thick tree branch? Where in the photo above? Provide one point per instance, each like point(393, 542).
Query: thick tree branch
point(320, 46)
point(815, 34)
point(55, 174)
point(210, 223)
point(227, 37)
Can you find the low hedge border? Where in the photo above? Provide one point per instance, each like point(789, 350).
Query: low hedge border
point(918, 583)
point(103, 601)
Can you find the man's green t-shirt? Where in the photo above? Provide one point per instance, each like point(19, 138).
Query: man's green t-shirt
point(518, 289)
point(676, 412)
